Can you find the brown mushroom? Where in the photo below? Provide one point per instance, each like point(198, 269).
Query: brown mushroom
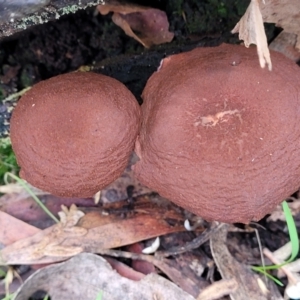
point(221, 136)
point(73, 134)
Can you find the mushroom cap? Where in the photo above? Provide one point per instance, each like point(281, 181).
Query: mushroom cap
point(73, 134)
point(220, 136)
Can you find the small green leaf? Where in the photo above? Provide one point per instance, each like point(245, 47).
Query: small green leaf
point(294, 242)
point(99, 296)
point(292, 231)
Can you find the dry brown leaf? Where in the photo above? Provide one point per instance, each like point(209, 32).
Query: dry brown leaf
point(285, 43)
point(23, 207)
point(285, 14)
point(251, 31)
point(93, 232)
point(12, 229)
point(184, 270)
point(47, 243)
point(125, 270)
point(141, 266)
point(183, 276)
point(120, 21)
point(86, 276)
point(218, 289)
point(148, 26)
point(11, 188)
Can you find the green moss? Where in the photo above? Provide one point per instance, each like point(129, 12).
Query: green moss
point(49, 15)
point(27, 77)
point(8, 161)
point(1, 93)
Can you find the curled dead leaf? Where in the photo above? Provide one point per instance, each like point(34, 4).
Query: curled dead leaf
point(251, 31)
point(148, 26)
point(285, 14)
point(86, 275)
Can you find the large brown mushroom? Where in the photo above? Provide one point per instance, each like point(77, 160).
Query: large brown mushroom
point(73, 134)
point(221, 136)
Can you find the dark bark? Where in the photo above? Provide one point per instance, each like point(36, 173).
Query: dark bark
point(18, 15)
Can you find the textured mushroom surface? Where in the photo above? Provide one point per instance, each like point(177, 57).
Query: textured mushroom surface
point(220, 136)
point(73, 134)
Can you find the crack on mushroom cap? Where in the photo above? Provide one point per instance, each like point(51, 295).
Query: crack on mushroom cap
point(220, 117)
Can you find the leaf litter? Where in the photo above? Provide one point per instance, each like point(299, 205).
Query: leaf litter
point(148, 26)
point(101, 229)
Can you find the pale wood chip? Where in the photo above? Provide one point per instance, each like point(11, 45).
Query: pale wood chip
point(251, 31)
point(218, 289)
point(230, 268)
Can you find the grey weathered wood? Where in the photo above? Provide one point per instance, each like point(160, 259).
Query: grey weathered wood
point(18, 15)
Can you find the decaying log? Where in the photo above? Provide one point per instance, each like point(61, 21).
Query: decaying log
point(18, 15)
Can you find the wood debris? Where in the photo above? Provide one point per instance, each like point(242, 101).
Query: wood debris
point(251, 31)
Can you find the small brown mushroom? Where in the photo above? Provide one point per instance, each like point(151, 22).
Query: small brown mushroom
point(73, 134)
point(221, 136)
